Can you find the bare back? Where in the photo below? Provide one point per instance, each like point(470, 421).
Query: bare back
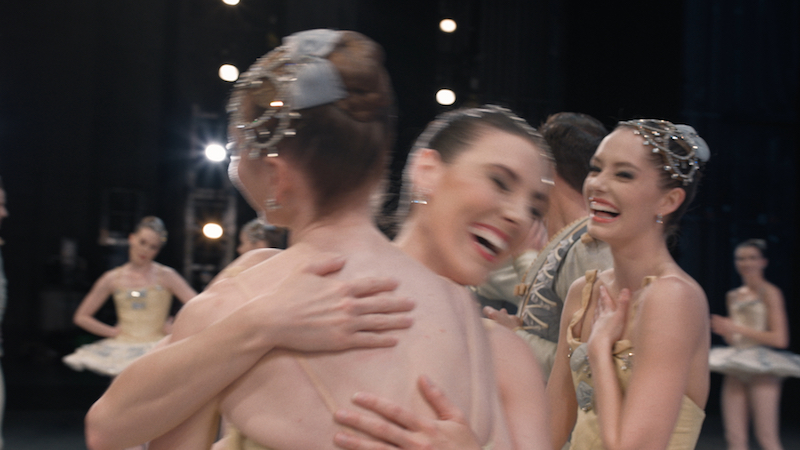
point(287, 399)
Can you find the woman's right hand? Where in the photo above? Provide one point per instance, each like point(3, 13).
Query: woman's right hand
point(311, 311)
point(397, 427)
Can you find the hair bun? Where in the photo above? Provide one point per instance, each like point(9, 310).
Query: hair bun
point(359, 61)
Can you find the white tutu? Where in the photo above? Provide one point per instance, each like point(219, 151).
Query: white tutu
point(107, 356)
point(748, 362)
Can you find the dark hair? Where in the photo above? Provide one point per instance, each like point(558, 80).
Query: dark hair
point(256, 230)
point(155, 224)
point(452, 132)
point(573, 138)
point(667, 179)
point(342, 146)
point(759, 244)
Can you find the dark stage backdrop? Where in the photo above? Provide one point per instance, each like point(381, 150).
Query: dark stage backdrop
point(99, 102)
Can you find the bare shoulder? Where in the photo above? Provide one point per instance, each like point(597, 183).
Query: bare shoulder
point(206, 308)
point(254, 257)
point(674, 295)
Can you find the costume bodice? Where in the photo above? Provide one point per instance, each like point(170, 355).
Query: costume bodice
point(750, 312)
point(586, 434)
point(142, 312)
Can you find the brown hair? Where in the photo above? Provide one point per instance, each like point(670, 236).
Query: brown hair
point(667, 181)
point(342, 146)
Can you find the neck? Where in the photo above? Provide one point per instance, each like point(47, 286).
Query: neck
point(754, 282)
point(337, 231)
point(566, 206)
point(410, 240)
point(639, 257)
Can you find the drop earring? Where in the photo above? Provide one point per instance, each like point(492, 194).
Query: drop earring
point(420, 197)
point(271, 204)
point(659, 219)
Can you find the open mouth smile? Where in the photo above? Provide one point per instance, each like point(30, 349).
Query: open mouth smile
point(490, 241)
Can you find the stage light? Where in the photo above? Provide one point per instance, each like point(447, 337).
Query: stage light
point(231, 2)
point(445, 97)
point(447, 25)
point(212, 230)
point(216, 152)
point(228, 72)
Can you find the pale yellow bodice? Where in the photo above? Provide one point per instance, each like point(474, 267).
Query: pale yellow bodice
point(586, 434)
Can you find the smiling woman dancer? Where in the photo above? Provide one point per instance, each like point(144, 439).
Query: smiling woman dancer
point(755, 327)
point(631, 368)
point(311, 123)
point(142, 290)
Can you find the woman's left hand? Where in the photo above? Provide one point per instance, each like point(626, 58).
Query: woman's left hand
point(398, 427)
point(502, 317)
point(610, 316)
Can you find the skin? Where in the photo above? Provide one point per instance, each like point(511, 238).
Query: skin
point(670, 320)
point(140, 270)
point(761, 394)
point(525, 198)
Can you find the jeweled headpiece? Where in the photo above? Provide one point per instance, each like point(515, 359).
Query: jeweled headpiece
point(659, 134)
point(301, 76)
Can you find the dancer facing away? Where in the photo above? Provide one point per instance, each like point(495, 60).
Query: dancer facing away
point(631, 368)
point(142, 290)
point(756, 325)
point(311, 122)
point(502, 164)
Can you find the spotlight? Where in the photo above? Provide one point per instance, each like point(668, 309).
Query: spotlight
point(228, 72)
point(447, 25)
point(231, 2)
point(212, 230)
point(445, 97)
point(215, 152)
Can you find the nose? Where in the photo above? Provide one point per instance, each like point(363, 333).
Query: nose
point(516, 211)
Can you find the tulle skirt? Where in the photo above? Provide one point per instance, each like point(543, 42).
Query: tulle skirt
point(748, 362)
point(107, 356)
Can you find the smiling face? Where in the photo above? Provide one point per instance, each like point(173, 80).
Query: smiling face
point(144, 246)
point(481, 205)
point(623, 189)
point(749, 261)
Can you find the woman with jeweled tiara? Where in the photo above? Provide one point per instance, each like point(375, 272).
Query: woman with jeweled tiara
point(631, 369)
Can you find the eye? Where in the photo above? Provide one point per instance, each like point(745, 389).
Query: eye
point(536, 213)
point(593, 168)
point(500, 183)
point(624, 174)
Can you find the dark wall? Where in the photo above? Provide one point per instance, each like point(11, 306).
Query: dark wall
point(97, 95)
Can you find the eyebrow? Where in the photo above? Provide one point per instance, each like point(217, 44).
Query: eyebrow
point(623, 164)
point(538, 195)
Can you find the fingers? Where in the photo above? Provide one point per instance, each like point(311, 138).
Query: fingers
point(445, 410)
point(364, 287)
point(490, 312)
point(383, 304)
point(325, 266)
point(379, 428)
point(388, 409)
